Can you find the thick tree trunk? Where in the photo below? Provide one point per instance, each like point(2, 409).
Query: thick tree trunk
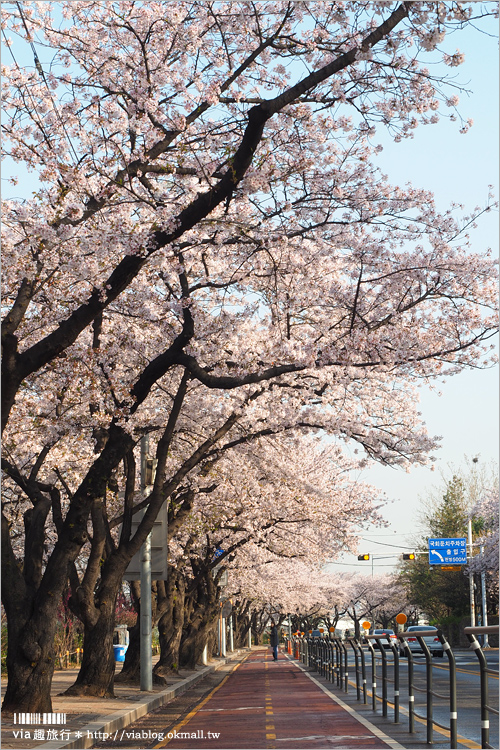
point(96, 675)
point(203, 618)
point(131, 670)
point(170, 627)
point(241, 632)
point(30, 665)
point(242, 624)
point(31, 594)
point(194, 640)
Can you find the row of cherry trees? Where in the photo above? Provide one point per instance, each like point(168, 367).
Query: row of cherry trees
point(270, 516)
point(210, 257)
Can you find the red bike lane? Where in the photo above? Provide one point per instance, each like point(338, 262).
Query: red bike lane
point(267, 704)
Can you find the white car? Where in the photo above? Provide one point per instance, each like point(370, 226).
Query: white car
point(431, 641)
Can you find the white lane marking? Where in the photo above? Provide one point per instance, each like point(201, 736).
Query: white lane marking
point(327, 738)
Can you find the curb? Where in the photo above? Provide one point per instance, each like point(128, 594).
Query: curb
point(121, 719)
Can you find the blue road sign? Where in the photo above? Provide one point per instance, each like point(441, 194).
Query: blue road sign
point(448, 551)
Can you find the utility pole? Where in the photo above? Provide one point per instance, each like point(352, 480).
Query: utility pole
point(471, 580)
point(484, 605)
point(146, 612)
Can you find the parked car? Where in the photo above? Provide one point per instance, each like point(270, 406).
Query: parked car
point(385, 642)
point(431, 641)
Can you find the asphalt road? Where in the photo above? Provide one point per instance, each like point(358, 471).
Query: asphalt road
point(468, 693)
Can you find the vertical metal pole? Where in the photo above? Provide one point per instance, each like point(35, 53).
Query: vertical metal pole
point(231, 634)
point(250, 636)
point(356, 661)
point(484, 605)
point(453, 689)
point(374, 677)
point(471, 580)
point(146, 612)
point(384, 676)
point(428, 679)
point(483, 667)
point(331, 661)
point(346, 667)
point(411, 692)
point(338, 663)
point(223, 636)
point(395, 654)
point(363, 672)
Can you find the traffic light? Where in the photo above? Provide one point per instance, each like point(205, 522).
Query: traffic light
point(409, 556)
point(363, 557)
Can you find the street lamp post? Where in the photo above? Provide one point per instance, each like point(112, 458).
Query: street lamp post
point(471, 580)
point(146, 642)
point(484, 605)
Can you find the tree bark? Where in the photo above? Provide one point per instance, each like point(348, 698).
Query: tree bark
point(31, 623)
point(194, 640)
point(202, 619)
point(30, 665)
point(170, 626)
point(96, 675)
point(242, 624)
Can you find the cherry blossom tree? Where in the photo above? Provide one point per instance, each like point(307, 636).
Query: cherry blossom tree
point(210, 256)
point(278, 509)
point(377, 599)
point(384, 599)
point(485, 515)
point(275, 511)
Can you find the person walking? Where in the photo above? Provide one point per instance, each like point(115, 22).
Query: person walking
point(274, 640)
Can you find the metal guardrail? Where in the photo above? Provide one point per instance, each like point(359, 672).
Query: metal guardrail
point(430, 693)
point(329, 656)
point(484, 671)
point(385, 678)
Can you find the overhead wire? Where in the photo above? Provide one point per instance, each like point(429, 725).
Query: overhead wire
point(386, 544)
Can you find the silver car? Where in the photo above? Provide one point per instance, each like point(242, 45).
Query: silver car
point(385, 642)
point(431, 641)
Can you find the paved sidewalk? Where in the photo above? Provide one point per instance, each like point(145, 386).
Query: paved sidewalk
point(88, 718)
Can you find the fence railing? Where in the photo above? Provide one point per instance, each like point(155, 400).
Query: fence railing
point(329, 657)
point(485, 672)
point(68, 659)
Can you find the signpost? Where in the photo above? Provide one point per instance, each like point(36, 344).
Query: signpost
point(450, 554)
point(448, 551)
